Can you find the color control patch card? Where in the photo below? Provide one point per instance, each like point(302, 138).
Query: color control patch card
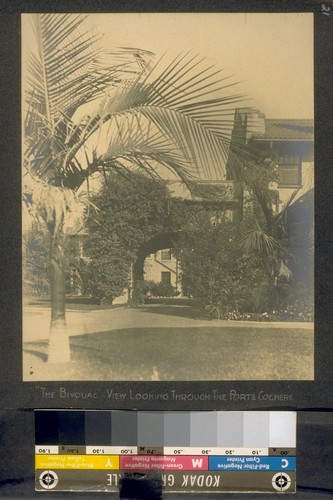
point(211, 452)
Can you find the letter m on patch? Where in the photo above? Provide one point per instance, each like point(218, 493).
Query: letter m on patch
point(197, 463)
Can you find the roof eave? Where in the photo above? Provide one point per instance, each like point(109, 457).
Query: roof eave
point(266, 139)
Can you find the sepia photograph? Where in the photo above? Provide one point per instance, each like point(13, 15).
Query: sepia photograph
point(168, 197)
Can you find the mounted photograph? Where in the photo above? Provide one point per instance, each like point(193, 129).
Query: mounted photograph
point(168, 197)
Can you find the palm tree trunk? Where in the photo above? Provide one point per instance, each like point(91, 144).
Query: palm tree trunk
point(58, 348)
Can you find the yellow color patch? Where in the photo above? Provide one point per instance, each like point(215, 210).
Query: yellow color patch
point(106, 462)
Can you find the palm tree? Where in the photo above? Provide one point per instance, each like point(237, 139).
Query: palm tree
point(266, 243)
point(90, 111)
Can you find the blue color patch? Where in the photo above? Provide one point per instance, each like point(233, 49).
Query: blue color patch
point(252, 463)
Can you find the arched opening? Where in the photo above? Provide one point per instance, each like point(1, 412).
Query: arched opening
point(159, 242)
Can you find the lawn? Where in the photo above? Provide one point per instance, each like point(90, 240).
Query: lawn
point(169, 353)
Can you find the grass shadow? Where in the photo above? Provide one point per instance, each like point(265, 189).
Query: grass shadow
point(199, 353)
point(181, 311)
point(38, 354)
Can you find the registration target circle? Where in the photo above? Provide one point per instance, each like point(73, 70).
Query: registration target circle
point(281, 481)
point(48, 479)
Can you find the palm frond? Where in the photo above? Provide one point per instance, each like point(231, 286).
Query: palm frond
point(284, 271)
point(202, 140)
point(53, 206)
point(257, 242)
point(131, 139)
point(183, 105)
point(69, 68)
point(179, 117)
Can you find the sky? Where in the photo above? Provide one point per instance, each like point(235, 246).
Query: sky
point(270, 54)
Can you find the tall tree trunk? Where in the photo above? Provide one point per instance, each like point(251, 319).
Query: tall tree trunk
point(58, 349)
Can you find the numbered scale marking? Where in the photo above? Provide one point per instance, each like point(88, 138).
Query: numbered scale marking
point(167, 450)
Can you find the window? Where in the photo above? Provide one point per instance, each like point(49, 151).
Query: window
point(166, 254)
point(166, 277)
point(289, 171)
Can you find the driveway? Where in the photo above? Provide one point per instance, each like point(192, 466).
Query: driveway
point(36, 320)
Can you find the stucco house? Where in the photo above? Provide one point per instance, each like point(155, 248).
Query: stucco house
point(289, 143)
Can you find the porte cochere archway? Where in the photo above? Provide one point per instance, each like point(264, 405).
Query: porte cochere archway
point(213, 197)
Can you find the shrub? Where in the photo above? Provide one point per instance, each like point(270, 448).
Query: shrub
point(300, 307)
point(270, 295)
point(162, 289)
point(140, 291)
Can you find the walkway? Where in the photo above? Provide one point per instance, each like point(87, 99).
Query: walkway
point(37, 320)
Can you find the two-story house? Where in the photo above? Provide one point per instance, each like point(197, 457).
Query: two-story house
point(289, 143)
